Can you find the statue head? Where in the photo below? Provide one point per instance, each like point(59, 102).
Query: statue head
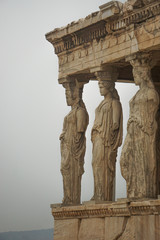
point(142, 65)
point(140, 74)
point(73, 92)
point(105, 87)
point(108, 87)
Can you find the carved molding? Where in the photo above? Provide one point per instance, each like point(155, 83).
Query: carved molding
point(80, 37)
point(135, 17)
point(118, 209)
point(139, 3)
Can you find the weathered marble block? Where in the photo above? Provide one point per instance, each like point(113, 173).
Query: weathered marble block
point(121, 220)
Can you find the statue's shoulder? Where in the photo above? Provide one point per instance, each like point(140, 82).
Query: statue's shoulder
point(152, 95)
point(81, 111)
point(116, 103)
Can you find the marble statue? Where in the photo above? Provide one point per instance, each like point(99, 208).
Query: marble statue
point(138, 157)
point(73, 143)
point(106, 137)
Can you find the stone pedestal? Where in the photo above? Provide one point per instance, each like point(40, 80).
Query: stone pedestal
point(121, 220)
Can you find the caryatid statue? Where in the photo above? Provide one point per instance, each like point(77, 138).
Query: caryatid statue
point(73, 143)
point(138, 157)
point(106, 136)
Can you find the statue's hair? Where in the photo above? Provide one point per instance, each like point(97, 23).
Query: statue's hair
point(74, 85)
point(110, 85)
point(76, 90)
point(148, 78)
point(144, 62)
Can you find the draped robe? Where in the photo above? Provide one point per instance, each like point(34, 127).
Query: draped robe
point(138, 157)
point(73, 146)
point(105, 140)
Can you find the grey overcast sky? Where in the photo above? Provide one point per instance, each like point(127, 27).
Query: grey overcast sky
point(32, 108)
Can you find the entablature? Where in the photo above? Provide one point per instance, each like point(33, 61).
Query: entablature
point(107, 37)
point(111, 18)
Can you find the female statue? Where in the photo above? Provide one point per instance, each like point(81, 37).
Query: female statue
point(106, 137)
point(73, 143)
point(138, 157)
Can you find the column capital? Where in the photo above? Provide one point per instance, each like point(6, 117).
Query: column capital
point(110, 73)
point(82, 78)
point(141, 59)
point(66, 79)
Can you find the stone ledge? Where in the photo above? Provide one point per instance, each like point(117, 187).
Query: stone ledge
point(120, 208)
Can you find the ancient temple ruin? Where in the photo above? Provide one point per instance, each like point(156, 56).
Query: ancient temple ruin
point(120, 42)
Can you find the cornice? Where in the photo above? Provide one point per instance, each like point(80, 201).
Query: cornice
point(109, 20)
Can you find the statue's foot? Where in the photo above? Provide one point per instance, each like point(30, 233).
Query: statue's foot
point(93, 198)
point(66, 201)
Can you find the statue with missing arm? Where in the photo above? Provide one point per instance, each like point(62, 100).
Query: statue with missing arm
point(73, 143)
